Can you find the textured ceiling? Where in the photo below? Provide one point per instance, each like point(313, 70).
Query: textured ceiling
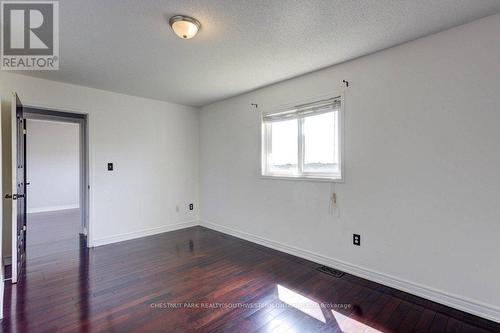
point(127, 46)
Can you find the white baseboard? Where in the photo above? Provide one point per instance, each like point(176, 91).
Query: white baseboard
point(52, 208)
point(461, 303)
point(142, 233)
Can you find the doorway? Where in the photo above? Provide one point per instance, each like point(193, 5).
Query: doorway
point(52, 179)
point(55, 186)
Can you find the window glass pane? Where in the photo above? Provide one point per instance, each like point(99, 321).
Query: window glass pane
point(320, 144)
point(284, 147)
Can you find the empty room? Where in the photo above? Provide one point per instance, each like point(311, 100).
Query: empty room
point(250, 166)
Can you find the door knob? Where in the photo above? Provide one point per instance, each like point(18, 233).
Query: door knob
point(14, 196)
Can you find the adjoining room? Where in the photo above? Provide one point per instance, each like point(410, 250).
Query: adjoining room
point(262, 166)
point(53, 198)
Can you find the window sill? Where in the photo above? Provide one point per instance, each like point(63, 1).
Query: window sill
point(303, 178)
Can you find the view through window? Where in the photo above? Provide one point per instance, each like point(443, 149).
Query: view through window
point(303, 141)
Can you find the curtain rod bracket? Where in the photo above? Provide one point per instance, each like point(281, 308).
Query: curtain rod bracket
point(254, 105)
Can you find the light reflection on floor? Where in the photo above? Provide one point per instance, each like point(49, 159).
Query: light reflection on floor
point(314, 310)
point(301, 303)
point(347, 324)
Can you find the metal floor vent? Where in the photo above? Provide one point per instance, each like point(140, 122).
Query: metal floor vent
point(330, 271)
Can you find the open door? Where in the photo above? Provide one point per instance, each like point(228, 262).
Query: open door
point(2, 272)
point(18, 195)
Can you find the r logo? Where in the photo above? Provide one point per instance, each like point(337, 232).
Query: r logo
point(29, 33)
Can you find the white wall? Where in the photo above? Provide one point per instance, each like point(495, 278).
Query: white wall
point(422, 161)
point(52, 165)
point(153, 145)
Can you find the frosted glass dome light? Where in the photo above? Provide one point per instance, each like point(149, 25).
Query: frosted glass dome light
point(184, 27)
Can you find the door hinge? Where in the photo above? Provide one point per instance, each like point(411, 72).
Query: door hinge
point(24, 131)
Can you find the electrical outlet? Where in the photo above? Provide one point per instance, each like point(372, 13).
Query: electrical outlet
point(191, 206)
point(356, 239)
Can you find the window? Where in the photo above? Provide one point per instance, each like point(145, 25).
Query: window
point(304, 141)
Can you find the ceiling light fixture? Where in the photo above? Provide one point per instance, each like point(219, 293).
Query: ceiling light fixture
point(184, 27)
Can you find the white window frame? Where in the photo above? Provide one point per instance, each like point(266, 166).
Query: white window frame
point(301, 175)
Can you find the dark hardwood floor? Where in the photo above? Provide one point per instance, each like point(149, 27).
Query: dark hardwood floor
point(200, 280)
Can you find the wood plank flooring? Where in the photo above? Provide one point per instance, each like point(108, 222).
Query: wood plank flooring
point(199, 280)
